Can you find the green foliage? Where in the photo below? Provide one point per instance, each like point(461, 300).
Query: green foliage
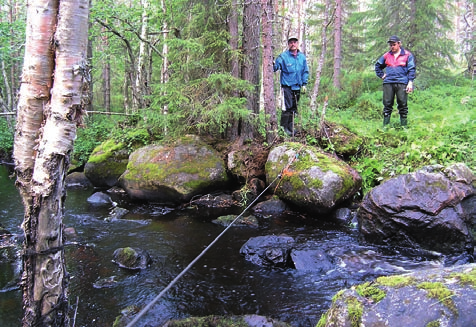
point(96, 131)
point(202, 105)
point(6, 138)
point(441, 131)
point(434, 54)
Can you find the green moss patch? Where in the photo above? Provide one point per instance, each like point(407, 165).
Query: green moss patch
point(395, 281)
point(439, 291)
point(105, 151)
point(355, 311)
point(468, 278)
point(370, 291)
point(209, 321)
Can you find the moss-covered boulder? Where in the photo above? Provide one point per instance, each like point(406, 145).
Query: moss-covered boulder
point(173, 173)
point(433, 297)
point(106, 164)
point(311, 179)
point(340, 139)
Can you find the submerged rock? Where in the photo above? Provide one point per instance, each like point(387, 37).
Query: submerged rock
point(100, 198)
point(433, 297)
point(248, 221)
point(131, 258)
point(311, 260)
point(273, 206)
point(430, 208)
point(269, 250)
point(77, 180)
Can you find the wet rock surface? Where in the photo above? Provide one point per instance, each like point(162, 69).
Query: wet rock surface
point(311, 180)
point(268, 250)
point(131, 258)
point(432, 208)
point(434, 297)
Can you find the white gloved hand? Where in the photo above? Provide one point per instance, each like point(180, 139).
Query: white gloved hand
point(409, 87)
point(303, 89)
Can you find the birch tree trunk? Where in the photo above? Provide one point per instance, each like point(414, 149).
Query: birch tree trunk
point(322, 57)
point(164, 73)
point(43, 145)
point(268, 85)
point(337, 43)
point(142, 61)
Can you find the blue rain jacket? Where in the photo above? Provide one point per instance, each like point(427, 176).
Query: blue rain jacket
point(294, 70)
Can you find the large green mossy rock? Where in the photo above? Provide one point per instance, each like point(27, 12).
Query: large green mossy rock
point(173, 173)
point(106, 164)
point(311, 179)
point(433, 297)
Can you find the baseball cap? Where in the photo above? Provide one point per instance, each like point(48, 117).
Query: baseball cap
point(393, 38)
point(292, 39)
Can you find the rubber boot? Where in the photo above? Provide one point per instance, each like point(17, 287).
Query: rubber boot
point(403, 122)
point(291, 124)
point(386, 120)
point(285, 118)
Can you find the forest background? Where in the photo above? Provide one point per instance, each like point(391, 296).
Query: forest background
point(164, 68)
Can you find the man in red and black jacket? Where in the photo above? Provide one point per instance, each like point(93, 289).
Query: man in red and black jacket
point(399, 65)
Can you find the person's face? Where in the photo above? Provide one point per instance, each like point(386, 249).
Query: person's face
point(293, 45)
point(394, 46)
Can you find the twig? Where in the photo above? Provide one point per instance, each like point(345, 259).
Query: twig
point(75, 311)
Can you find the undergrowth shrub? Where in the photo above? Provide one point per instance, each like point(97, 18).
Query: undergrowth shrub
point(441, 131)
point(6, 138)
point(97, 130)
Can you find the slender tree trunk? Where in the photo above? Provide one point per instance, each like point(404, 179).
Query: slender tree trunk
point(106, 79)
point(251, 63)
point(268, 85)
point(337, 44)
point(164, 74)
point(141, 82)
point(233, 132)
point(43, 145)
point(322, 57)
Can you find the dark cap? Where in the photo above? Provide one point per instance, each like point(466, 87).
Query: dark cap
point(393, 38)
point(292, 39)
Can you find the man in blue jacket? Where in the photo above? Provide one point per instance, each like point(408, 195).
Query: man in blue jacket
point(294, 76)
point(399, 65)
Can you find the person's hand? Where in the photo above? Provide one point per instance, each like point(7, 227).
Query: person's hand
point(409, 87)
point(303, 89)
point(384, 75)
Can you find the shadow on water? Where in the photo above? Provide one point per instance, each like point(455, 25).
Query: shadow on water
point(220, 283)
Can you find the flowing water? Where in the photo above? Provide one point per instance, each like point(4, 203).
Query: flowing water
point(222, 282)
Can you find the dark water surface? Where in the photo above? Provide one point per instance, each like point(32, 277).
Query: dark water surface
point(220, 283)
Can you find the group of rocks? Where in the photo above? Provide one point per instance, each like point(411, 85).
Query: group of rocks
point(433, 209)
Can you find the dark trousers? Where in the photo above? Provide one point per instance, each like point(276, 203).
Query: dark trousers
point(392, 91)
point(291, 98)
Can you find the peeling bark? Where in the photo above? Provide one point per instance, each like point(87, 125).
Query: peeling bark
point(48, 113)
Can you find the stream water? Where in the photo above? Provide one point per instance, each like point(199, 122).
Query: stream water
point(220, 283)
